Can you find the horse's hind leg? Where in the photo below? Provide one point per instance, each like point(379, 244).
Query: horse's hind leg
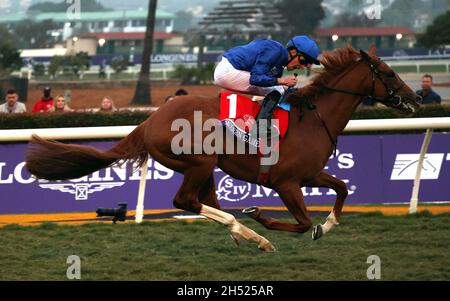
point(292, 196)
point(326, 180)
point(187, 198)
point(207, 195)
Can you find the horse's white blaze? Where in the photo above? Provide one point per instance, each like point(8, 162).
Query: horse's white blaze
point(330, 223)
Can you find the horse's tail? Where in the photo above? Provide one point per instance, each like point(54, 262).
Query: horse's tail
point(53, 160)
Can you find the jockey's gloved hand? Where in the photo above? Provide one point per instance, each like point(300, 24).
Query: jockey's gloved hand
point(291, 90)
point(286, 94)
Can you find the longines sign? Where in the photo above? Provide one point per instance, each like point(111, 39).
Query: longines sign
point(376, 169)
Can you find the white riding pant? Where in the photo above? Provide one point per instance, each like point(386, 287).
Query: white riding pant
point(228, 77)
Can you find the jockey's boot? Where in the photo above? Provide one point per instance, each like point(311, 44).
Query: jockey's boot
point(268, 107)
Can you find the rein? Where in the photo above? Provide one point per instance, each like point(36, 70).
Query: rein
point(313, 107)
point(392, 99)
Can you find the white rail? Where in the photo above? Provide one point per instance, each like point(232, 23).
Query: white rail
point(105, 132)
point(108, 132)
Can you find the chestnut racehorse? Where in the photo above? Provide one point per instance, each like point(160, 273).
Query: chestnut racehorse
point(332, 96)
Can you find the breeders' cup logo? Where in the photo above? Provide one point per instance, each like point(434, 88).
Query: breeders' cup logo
point(81, 191)
point(249, 120)
point(405, 166)
point(232, 190)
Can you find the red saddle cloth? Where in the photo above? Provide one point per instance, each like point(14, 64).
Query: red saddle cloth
point(240, 112)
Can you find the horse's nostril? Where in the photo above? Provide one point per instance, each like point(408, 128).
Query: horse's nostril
point(419, 98)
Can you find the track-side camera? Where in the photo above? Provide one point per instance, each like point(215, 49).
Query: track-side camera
point(119, 214)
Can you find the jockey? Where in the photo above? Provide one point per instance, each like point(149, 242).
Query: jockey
point(256, 68)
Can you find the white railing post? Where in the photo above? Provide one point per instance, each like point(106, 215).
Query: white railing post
point(140, 201)
point(415, 192)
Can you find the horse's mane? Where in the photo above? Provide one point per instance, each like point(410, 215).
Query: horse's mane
point(334, 62)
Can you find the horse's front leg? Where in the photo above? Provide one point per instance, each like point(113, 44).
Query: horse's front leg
point(326, 180)
point(292, 196)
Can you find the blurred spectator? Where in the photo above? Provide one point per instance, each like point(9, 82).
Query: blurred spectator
point(12, 105)
point(428, 95)
point(181, 92)
point(45, 103)
point(107, 105)
point(60, 105)
point(102, 71)
point(68, 96)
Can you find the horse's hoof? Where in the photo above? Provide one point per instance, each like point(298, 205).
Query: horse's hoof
point(267, 247)
point(317, 232)
point(251, 212)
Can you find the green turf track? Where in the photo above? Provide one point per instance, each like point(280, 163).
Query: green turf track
point(410, 247)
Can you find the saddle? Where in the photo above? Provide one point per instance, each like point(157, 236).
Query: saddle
point(238, 114)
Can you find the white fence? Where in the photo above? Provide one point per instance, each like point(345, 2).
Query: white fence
point(428, 124)
point(158, 72)
point(421, 66)
point(108, 132)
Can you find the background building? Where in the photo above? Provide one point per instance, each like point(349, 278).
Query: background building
point(236, 22)
point(124, 43)
point(109, 21)
point(363, 37)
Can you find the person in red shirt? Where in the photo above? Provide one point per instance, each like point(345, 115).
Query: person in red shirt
point(45, 103)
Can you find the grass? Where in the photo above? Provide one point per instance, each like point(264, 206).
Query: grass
point(410, 247)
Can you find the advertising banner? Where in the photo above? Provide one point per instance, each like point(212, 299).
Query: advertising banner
point(376, 168)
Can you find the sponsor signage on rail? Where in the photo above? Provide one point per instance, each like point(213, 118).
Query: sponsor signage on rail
point(376, 168)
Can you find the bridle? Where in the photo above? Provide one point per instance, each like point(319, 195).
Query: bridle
point(392, 99)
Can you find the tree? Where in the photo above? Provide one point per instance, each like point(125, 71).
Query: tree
point(438, 33)
point(142, 94)
point(120, 64)
point(10, 59)
point(33, 34)
point(71, 63)
point(55, 65)
point(7, 37)
point(194, 75)
point(52, 7)
point(39, 70)
point(78, 62)
point(403, 13)
point(302, 16)
point(184, 21)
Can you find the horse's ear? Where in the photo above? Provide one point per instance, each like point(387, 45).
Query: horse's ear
point(365, 55)
point(373, 50)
